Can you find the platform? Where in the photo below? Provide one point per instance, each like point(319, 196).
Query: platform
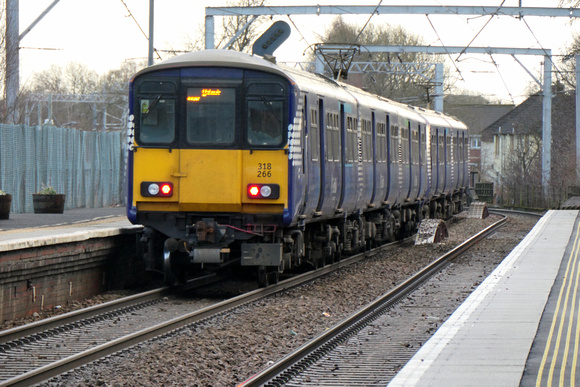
point(31, 230)
point(510, 330)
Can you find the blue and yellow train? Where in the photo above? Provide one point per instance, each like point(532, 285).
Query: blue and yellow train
point(235, 160)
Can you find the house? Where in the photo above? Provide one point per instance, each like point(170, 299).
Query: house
point(511, 147)
point(477, 113)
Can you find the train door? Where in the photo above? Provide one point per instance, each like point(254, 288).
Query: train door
point(460, 159)
point(406, 159)
point(343, 158)
point(415, 171)
point(395, 183)
point(385, 172)
point(441, 170)
point(434, 163)
point(375, 155)
point(331, 169)
point(312, 124)
point(420, 160)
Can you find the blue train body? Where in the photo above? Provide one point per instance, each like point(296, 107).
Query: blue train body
point(343, 170)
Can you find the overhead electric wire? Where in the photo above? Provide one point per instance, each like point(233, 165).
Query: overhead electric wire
point(448, 53)
point(141, 29)
point(297, 29)
point(367, 23)
point(503, 80)
point(479, 32)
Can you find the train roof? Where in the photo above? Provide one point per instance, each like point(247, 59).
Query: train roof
point(230, 58)
point(217, 58)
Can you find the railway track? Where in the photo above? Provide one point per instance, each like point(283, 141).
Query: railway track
point(36, 352)
point(297, 362)
point(42, 366)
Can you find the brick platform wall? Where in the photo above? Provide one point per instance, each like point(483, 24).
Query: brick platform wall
point(41, 278)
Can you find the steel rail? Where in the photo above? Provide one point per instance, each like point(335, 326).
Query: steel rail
point(293, 363)
point(40, 326)
point(63, 365)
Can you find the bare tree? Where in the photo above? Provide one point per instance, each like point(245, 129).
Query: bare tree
point(404, 87)
point(231, 26)
point(76, 95)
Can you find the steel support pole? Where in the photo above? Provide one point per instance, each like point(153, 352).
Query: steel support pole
point(209, 33)
point(12, 82)
point(439, 76)
point(547, 123)
point(151, 29)
point(577, 119)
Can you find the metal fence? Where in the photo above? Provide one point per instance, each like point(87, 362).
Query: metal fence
point(532, 197)
point(86, 166)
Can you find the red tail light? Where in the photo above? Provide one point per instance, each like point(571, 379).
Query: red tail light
point(263, 191)
point(156, 189)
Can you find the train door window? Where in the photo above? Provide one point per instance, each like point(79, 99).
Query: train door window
point(328, 138)
point(414, 147)
point(459, 148)
point(448, 154)
point(332, 144)
point(441, 157)
point(405, 145)
point(314, 134)
point(367, 145)
point(381, 142)
point(433, 151)
point(211, 116)
point(350, 139)
point(395, 145)
point(334, 135)
point(156, 112)
point(423, 146)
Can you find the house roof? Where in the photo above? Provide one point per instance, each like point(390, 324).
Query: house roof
point(477, 116)
point(526, 118)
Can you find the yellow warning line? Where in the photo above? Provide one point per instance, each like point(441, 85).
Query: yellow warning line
point(570, 325)
point(565, 288)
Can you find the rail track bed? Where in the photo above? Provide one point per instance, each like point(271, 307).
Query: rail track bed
point(228, 349)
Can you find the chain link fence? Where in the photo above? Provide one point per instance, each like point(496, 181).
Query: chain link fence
point(86, 166)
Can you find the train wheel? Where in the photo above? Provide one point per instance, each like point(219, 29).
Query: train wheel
point(168, 269)
point(263, 280)
point(173, 269)
point(268, 275)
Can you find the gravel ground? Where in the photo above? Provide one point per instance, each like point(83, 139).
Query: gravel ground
point(227, 350)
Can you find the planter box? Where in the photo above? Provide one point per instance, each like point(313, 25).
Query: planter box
point(5, 203)
point(48, 204)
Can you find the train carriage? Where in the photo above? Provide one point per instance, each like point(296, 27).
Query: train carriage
point(234, 160)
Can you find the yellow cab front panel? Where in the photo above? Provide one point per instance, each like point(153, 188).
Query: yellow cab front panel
point(209, 180)
point(155, 166)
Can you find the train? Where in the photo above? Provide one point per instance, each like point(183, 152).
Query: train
point(236, 162)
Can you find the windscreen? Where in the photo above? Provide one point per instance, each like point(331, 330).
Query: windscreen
point(211, 116)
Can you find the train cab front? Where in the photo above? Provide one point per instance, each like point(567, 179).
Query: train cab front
point(208, 166)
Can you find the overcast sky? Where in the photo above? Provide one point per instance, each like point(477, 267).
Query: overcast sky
point(101, 35)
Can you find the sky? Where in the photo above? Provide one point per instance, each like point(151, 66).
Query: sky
point(103, 34)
